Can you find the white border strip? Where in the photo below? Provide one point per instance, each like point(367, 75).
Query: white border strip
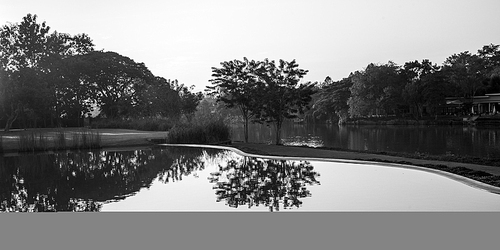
point(456, 177)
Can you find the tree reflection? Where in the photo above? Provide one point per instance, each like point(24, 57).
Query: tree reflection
point(83, 180)
point(273, 183)
point(186, 161)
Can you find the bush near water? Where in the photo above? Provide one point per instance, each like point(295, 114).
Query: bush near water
point(210, 133)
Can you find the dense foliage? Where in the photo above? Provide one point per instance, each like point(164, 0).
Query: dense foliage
point(55, 79)
point(416, 88)
point(207, 133)
point(263, 90)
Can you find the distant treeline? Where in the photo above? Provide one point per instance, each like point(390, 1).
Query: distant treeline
point(52, 79)
point(415, 88)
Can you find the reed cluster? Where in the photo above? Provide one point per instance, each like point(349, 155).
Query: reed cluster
point(33, 141)
point(60, 140)
point(144, 124)
point(86, 139)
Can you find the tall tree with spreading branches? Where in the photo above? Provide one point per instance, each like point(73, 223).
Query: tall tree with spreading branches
point(235, 84)
point(280, 93)
point(29, 57)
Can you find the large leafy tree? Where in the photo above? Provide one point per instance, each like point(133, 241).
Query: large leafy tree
point(465, 71)
point(332, 99)
point(9, 105)
point(361, 102)
point(490, 56)
point(189, 100)
point(235, 84)
point(280, 94)
point(376, 90)
point(21, 50)
point(160, 98)
point(423, 86)
point(29, 55)
point(29, 43)
point(23, 44)
point(113, 80)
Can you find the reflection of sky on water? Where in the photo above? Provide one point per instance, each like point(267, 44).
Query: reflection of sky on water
point(343, 187)
point(194, 179)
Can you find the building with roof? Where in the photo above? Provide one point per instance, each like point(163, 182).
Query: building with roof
point(485, 104)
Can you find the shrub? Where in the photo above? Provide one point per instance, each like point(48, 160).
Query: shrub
point(217, 131)
point(213, 132)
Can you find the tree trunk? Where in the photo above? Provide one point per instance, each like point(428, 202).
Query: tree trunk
point(246, 117)
point(245, 128)
point(12, 118)
point(278, 132)
point(419, 111)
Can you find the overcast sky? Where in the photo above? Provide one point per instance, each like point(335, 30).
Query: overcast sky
point(183, 39)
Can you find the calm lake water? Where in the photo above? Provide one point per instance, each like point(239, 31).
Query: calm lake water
point(197, 179)
point(438, 140)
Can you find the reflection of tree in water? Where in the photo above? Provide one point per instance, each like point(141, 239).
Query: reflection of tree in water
point(186, 161)
point(82, 181)
point(272, 183)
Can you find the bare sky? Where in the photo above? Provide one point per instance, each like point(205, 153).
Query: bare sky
point(183, 39)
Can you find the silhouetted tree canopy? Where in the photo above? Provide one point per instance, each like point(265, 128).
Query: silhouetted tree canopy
point(235, 84)
point(52, 79)
point(267, 91)
point(29, 56)
point(83, 180)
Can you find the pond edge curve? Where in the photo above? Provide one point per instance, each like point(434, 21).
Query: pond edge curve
point(468, 181)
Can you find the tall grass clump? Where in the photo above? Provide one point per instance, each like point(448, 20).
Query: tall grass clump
point(210, 133)
point(38, 141)
point(33, 141)
point(60, 140)
point(86, 139)
point(144, 124)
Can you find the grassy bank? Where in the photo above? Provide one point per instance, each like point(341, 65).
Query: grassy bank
point(488, 161)
point(481, 176)
point(470, 167)
point(425, 121)
point(477, 175)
